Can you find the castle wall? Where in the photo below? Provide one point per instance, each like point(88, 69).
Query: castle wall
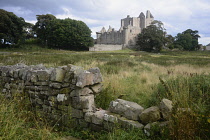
point(105, 47)
point(149, 21)
point(113, 37)
point(133, 35)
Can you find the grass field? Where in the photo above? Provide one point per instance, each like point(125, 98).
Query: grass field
point(141, 77)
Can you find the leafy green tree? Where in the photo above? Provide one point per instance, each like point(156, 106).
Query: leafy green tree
point(68, 34)
point(152, 38)
point(41, 25)
point(11, 27)
point(28, 28)
point(188, 40)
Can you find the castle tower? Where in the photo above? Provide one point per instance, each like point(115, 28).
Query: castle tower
point(98, 35)
point(149, 18)
point(142, 20)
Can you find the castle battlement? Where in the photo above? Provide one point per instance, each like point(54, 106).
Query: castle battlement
point(128, 32)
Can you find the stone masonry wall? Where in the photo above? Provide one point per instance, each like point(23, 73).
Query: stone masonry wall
point(105, 47)
point(66, 94)
point(60, 94)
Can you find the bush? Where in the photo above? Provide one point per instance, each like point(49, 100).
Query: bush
point(32, 41)
point(190, 96)
point(105, 97)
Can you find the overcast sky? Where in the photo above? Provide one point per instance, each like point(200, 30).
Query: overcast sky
point(177, 15)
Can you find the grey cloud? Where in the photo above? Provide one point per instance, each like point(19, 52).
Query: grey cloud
point(180, 15)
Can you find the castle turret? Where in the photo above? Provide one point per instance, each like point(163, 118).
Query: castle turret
point(110, 29)
point(142, 20)
point(149, 18)
point(103, 30)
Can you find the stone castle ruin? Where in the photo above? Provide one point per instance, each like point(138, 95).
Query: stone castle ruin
point(128, 32)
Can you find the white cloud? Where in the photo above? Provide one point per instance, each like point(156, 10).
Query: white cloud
point(177, 15)
point(204, 39)
point(68, 14)
point(31, 21)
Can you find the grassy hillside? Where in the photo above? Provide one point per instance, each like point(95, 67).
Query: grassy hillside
point(141, 77)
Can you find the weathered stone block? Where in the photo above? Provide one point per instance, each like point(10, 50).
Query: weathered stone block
point(84, 79)
point(128, 109)
point(76, 113)
point(83, 102)
point(151, 114)
point(27, 83)
point(32, 88)
point(33, 77)
point(90, 77)
point(56, 85)
point(61, 97)
point(11, 72)
point(111, 117)
point(98, 117)
point(58, 75)
point(166, 108)
point(22, 74)
point(125, 123)
point(64, 85)
point(97, 75)
point(68, 76)
point(7, 86)
point(42, 88)
point(41, 83)
point(39, 67)
point(74, 69)
point(65, 91)
point(97, 88)
point(88, 117)
point(15, 73)
point(155, 127)
point(43, 75)
point(5, 71)
point(80, 92)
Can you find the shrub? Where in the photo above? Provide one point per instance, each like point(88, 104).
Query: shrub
point(190, 96)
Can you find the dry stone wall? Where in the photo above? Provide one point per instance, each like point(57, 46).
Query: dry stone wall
point(60, 94)
point(65, 95)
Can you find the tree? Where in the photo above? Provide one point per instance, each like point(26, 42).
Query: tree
point(152, 38)
point(11, 27)
point(188, 40)
point(68, 34)
point(169, 40)
point(28, 29)
point(41, 25)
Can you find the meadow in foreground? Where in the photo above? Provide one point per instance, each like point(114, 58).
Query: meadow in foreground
point(141, 77)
